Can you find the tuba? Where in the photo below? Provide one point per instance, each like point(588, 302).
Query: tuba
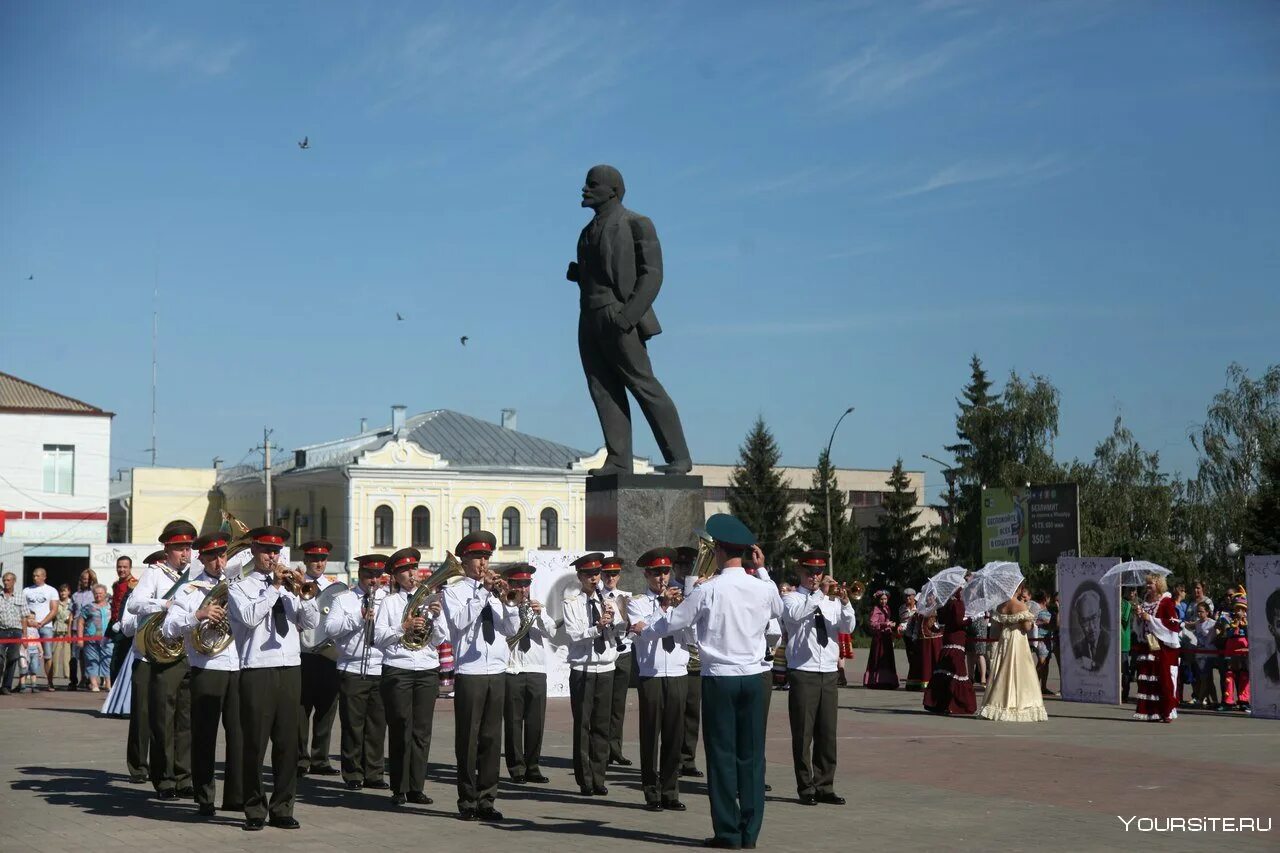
point(704, 565)
point(429, 591)
point(211, 638)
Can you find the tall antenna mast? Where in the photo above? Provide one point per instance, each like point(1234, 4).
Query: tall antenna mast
point(155, 327)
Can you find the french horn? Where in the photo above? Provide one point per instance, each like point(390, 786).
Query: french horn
point(211, 638)
point(151, 642)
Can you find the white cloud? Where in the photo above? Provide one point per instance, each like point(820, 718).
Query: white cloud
point(158, 50)
point(1007, 173)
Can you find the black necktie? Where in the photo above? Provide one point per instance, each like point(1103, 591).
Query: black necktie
point(820, 624)
point(669, 643)
point(595, 619)
point(278, 618)
point(524, 642)
point(486, 623)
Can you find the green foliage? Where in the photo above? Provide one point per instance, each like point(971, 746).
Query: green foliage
point(1262, 516)
point(758, 495)
point(897, 555)
point(811, 529)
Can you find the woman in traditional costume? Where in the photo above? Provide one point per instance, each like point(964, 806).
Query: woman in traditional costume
point(1157, 647)
point(1013, 693)
point(882, 669)
point(950, 691)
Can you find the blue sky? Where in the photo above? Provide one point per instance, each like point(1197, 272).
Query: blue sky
point(852, 199)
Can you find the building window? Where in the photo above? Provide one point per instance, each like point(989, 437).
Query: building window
point(511, 527)
point(383, 522)
point(324, 523)
point(297, 523)
point(549, 529)
point(59, 468)
point(421, 527)
point(470, 520)
point(864, 500)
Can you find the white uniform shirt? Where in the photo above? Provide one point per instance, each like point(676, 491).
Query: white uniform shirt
point(728, 614)
point(253, 624)
point(388, 631)
point(312, 637)
point(181, 621)
point(804, 652)
point(344, 624)
point(652, 658)
point(623, 635)
point(535, 660)
point(583, 631)
point(149, 595)
point(464, 601)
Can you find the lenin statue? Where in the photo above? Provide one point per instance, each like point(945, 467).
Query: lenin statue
point(619, 273)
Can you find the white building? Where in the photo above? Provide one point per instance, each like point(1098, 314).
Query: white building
point(54, 463)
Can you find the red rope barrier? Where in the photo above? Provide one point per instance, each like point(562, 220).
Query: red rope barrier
point(35, 641)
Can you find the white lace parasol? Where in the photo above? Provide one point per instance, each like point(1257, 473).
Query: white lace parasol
point(992, 585)
point(938, 590)
point(1133, 573)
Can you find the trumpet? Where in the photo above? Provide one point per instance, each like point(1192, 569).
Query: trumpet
point(672, 596)
point(294, 581)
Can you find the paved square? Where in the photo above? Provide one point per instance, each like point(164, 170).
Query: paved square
point(913, 781)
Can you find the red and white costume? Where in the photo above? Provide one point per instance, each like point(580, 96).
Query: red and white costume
point(1158, 670)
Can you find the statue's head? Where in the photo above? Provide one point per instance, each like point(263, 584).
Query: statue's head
point(603, 184)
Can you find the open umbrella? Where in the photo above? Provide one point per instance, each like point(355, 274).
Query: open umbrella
point(938, 590)
point(1133, 573)
point(992, 585)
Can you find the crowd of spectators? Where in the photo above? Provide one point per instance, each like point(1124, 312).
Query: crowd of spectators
point(54, 634)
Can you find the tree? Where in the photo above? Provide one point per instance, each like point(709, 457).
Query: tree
point(811, 530)
point(973, 426)
point(897, 554)
point(1262, 517)
point(758, 496)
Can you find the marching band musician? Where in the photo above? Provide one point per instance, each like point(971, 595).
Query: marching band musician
point(753, 563)
point(215, 681)
point(525, 707)
point(610, 572)
point(813, 615)
point(729, 614)
point(265, 620)
point(663, 668)
point(319, 675)
point(410, 678)
point(138, 746)
point(363, 721)
point(682, 578)
point(170, 694)
point(590, 621)
point(479, 621)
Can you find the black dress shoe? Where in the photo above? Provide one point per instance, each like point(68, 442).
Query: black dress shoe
point(467, 814)
point(488, 813)
point(767, 787)
point(585, 791)
point(518, 780)
point(621, 761)
point(600, 791)
point(808, 800)
point(186, 793)
point(420, 798)
point(691, 772)
point(284, 823)
point(831, 799)
point(721, 843)
point(206, 810)
point(673, 805)
point(168, 794)
point(537, 779)
point(398, 799)
point(324, 770)
point(377, 784)
point(353, 785)
point(253, 824)
point(653, 807)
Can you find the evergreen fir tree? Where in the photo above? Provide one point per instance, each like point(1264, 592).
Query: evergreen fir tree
point(758, 496)
point(898, 555)
point(811, 531)
point(975, 425)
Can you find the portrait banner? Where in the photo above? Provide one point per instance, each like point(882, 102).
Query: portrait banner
point(1089, 630)
point(555, 577)
point(1262, 580)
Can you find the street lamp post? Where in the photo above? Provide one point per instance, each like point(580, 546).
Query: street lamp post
point(950, 474)
point(831, 545)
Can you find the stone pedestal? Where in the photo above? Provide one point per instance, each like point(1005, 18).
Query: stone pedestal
point(630, 513)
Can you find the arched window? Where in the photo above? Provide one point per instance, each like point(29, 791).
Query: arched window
point(383, 523)
point(470, 520)
point(421, 527)
point(324, 523)
point(549, 529)
point(511, 527)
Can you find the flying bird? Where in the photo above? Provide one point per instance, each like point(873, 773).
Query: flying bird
point(305, 143)
point(398, 317)
point(464, 340)
point(31, 278)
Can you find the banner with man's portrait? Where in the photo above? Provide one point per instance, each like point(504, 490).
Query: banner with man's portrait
point(554, 579)
point(1262, 580)
point(1089, 630)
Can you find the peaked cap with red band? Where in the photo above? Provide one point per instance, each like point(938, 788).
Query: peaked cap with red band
point(270, 536)
point(611, 564)
point(482, 542)
point(685, 554)
point(211, 543)
point(406, 559)
point(815, 559)
point(155, 557)
point(317, 549)
point(372, 562)
point(589, 562)
point(657, 558)
point(178, 533)
point(519, 572)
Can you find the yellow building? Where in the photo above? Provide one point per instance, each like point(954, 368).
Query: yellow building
point(143, 503)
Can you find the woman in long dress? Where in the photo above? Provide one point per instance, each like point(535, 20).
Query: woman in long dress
point(1013, 695)
point(949, 690)
point(1158, 644)
point(882, 669)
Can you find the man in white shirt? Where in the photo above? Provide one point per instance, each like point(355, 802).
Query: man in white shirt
point(729, 614)
point(814, 619)
point(319, 675)
point(41, 601)
point(682, 579)
point(265, 620)
point(479, 621)
point(753, 564)
point(169, 690)
point(663, 668)
point(410, 677)
point(215, 680)
point(138, 744)
point(363, 721)
point(610, 574)
point(590, 623)
point(524, 713)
